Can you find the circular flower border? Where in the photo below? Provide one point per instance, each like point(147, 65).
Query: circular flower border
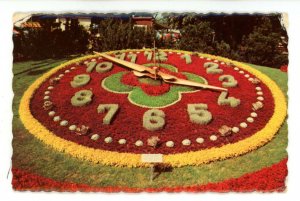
point(176, 160)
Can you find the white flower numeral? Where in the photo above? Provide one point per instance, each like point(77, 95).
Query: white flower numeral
point(120, 55)
point(228, 81)
point(111, 110)
point(148, 55)
point(231, 101)
point(132, 57)
point(154, 119)
point(212, 68)
point(80, 80)
point(100, 67)
point(199, 114)
point(187, 58)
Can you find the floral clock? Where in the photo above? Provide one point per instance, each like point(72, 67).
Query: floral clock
point(192, 108)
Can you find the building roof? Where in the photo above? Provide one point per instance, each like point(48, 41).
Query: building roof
point(142, 18)
point(31, 25)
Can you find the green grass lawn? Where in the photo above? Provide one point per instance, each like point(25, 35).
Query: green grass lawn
point(32, 155)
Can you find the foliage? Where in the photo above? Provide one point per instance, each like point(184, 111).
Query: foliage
point(249, 38)
point(197, 37)
point(260, 46)
point(116, 34)
point(43, 43)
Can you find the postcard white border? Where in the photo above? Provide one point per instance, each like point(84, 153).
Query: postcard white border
point(8, 7)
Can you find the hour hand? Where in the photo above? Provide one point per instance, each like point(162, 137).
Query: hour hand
point(175, 80)
point(132, 66)
point(141, 74)
point(178, 81)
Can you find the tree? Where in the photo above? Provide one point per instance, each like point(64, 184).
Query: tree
point(197, 37)
point(260, 46)
point(116, 34)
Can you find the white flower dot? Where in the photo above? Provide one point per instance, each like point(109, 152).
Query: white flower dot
point(235, 129)
point(72, 127)
point(47, 92)
point(200, 140)
point(122, 141)
point(243, 125)
point(213, 138)
point(64, 123)
point(139, 143)
point(93, 60)
point(61, 75)
point(258, 88)
point(46, 97)
point(236, 68)
point(247, 75)
point(260, 98)
point(250, 119)
point(50, 87)
point(51, 113)
point(208, 59)
point(56, 118)
point(108, 140)
point(95, 137)
point(170, 144)
point(222, 63)
point(67, 71)
point(241, 72)
point(216, 61)
point(253, 114)
point(72, 68)
point(260, 93)
point(250, 79)
point(186, 142)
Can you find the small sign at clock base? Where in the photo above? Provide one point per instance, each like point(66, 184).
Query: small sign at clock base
point(153, 159)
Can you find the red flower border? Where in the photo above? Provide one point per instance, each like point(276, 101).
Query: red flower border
point(284, 68)
point(268, 179)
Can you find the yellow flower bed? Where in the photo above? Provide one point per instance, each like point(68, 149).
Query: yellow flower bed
point(176, 160)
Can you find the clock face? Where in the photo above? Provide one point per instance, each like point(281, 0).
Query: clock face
point(100, 111)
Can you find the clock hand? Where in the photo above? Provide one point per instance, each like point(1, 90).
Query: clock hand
point(139, 74)
point(133, 66)
point(175, 80)
point(140, 70)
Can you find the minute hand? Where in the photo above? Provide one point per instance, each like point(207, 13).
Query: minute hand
point(128, 64)
point(175, 80)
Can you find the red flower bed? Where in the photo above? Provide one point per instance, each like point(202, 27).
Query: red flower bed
point(150, 89)
point(266, 180)
point(284, 68)
point(128, 122)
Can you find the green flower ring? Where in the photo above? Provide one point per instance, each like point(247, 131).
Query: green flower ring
point(138, 97)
